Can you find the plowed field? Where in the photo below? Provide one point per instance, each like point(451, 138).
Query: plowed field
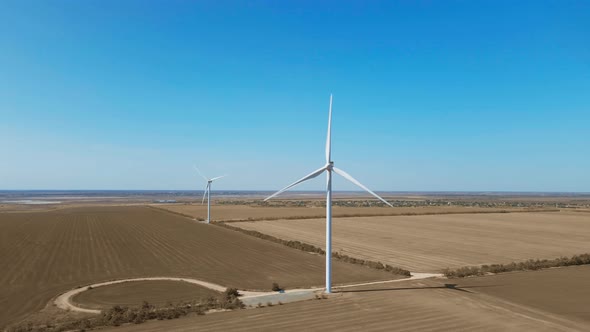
point(563, 291)
point(431, 243)
point(46, 253)
point(426, 305)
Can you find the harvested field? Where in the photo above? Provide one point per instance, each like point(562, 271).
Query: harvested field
point(431, 243)
point(560, 291)
point(44, 254)
point(135, 292)
point(244, 212)
point(407, 306)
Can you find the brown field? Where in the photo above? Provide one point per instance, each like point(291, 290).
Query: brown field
point(483, 304)
point(46, 253)
point(245, 212)
point(134, 293)
point(559, 291)
point(431, 243)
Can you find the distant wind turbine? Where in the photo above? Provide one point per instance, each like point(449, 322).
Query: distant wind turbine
point(207, 192)
point(329, 167)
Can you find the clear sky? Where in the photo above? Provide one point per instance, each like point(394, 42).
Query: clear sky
point(428, 95)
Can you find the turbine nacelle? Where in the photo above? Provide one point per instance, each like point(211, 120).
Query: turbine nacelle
point(330, 166)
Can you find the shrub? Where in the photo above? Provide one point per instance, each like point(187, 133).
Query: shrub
point(276, 287)
point(230, 299)
point(118, 315)
point(231, 293)
point(313, 249)
point(528, 265)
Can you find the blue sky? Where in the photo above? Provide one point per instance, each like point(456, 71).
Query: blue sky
point(428, 95)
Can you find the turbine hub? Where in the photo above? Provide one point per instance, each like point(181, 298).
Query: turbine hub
point(330, 166)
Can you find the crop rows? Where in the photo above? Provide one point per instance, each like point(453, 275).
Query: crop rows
point(45, 254)
point(432, 243)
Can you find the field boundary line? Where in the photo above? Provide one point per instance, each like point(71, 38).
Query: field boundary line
point(403, 214)
point(406, 214)
point(306, 247)
point(528, 265)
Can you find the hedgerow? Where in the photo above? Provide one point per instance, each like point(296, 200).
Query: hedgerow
point(313, 249)
point(529, 265)
point(119, 315)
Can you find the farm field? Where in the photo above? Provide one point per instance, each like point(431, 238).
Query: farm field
point(134, 293)
point(432, 242)
point(426, 305)
point(44, 254)
point(561, 291)
point(245, 212)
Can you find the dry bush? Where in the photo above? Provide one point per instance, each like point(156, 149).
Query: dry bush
point(118, 315)
point(529, 265)
point(311, 248)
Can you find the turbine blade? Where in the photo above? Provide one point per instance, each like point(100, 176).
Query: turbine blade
point(305, 178)
point(353, 180)
point(329, 138)
point(205, 193)
point(201, 174)
point(219, 177)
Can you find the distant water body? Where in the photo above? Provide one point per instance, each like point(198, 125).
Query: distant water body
point(30, 202)
point(14, 195)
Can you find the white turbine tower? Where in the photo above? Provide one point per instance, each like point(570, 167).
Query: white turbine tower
point(207, 192)
point(329, 167)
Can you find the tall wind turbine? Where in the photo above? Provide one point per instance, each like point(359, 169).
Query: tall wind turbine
point(207, 192)
point(329, 168)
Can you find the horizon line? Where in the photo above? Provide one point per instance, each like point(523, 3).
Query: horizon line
point(299, 191)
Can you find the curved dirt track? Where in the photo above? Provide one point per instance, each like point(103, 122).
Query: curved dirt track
point(71, 247)
point(64, 302)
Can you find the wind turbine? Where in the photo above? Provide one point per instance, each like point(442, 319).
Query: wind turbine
point(329, 168)
point(207, 192)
